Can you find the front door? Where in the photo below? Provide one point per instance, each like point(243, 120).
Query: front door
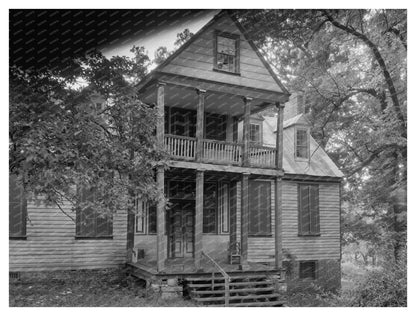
point(181, 229)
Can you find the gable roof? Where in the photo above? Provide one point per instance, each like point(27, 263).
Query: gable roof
point(319, 164)
point(223, 13)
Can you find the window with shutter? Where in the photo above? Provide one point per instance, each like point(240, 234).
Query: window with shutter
point(17, 209)
point(259, 208)
point(209, 220)
point(308, 209)
point(91, 223)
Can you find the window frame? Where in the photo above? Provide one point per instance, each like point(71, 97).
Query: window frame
point(224, 200)
point(302, 272)
point(260, 140)
point(311, 233)
point(78, 224)
point(22, 235)
point(306, 130)
point(234, 37)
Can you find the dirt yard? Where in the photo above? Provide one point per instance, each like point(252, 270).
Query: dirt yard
point(88, 288)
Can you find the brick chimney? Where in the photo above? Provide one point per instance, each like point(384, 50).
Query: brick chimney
point(294, 106)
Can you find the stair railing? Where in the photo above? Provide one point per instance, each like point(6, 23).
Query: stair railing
point(226, 278)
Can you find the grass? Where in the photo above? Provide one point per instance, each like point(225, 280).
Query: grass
point(88, 288)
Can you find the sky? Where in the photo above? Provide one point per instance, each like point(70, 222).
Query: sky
point(38, 38)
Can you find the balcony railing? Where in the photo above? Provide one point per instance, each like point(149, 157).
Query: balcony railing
point(219, 152)
point(262, 156)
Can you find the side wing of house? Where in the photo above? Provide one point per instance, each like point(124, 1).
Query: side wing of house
point(45, 238)
point(311, 205)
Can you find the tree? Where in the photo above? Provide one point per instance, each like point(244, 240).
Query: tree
point(162, 53)
point(351, 65)
point(84, 127)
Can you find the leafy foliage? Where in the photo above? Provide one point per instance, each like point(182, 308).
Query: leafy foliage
point(84, 128)
point(351, 67)
point(162, 53)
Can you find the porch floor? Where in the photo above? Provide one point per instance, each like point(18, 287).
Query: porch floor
point(185, 267)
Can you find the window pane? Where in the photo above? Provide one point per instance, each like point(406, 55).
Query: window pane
point(254, 132)
point(226, 45)
point(152, 219)
point(140, 216)
point(301, 144)
point(104, 225)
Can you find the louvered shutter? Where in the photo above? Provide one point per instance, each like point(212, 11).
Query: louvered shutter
point(314, 208)
point(304, 219)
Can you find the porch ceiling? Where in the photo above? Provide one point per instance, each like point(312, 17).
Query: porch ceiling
point(215, 102)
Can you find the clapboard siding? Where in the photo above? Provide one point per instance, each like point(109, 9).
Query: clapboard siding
point(197, 60)
point(51, 243)
point(325, 246)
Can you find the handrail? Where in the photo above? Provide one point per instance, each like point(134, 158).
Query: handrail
point(226, 278)
point(180, 137)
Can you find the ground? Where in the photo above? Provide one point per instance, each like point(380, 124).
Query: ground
point(86, 288)
point(112, 288)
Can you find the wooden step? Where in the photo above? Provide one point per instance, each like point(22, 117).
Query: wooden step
point(232, 277)
point(265, 282)
point(234, 298)
point(252, 304)
point(256, 289)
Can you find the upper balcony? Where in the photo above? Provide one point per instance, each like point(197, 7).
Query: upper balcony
point(219, 152)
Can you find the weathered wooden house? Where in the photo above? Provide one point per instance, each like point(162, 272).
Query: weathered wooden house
point(251, 194)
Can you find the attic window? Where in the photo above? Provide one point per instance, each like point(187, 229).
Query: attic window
point(302, 144)
point(226, 52)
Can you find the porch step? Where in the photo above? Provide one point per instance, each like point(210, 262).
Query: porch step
point(235, 284)
point(232, 277)
point(248, 289)
point(237, 297)
point(251, 289)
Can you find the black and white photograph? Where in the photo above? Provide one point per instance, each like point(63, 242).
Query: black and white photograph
point(176, 157)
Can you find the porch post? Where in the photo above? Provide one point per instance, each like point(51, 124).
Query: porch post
point(233, 216)
point(279, 136)
point(199, 208)
point(200, 123)
point(278, 189)
point(160, 178)
point(244, 219)
point(246, 130)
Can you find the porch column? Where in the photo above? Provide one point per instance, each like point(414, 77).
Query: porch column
point(279, 136)
point(160, 178)
point(200, 123)
point(278, 189)
point(199, 209)
point(161, 244)
point(244, 219)
point(246, 130)
point(160, 126)
point(233, 215)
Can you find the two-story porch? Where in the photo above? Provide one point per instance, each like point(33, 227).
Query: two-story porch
point(198, 128)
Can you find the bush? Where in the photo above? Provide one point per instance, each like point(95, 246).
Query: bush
point(385, 287)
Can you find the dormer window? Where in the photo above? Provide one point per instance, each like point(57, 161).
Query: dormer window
point(302, 143)
point(226, 52)
point(255, 134)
